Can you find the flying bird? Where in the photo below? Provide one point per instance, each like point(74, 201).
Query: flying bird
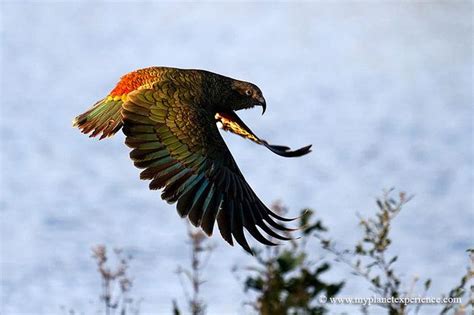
point(169, 117)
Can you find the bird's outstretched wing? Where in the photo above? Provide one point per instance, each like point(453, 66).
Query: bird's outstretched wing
point(231, 122)
point(181, 150)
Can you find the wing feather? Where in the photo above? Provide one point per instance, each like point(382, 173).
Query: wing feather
point(181, 150)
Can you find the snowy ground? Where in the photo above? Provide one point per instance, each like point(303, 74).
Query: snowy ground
point(382, 91)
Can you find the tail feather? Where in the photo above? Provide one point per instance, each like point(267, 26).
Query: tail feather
point(103, 118)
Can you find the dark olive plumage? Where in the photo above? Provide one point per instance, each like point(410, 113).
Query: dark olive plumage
point(169, 118)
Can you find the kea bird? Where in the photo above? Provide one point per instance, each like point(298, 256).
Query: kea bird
point(169, 117)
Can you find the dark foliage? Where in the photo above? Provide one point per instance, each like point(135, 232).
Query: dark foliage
point(285, 280)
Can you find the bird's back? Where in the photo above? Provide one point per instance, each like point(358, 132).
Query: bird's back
point(104, 118)
point(135, 79)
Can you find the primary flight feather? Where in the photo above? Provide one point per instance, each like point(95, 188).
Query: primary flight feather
point(169, 118)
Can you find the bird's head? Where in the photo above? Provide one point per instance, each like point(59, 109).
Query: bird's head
point(245, 95)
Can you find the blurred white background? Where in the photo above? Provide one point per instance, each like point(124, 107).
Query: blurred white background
point(383, 91)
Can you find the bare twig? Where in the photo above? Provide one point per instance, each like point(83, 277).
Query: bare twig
point(370, 259)
point(116, 284)
point(200, 253)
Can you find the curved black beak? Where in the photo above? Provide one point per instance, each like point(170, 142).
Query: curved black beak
point(261, 102)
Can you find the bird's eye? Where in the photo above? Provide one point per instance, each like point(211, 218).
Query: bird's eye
point(248, 92)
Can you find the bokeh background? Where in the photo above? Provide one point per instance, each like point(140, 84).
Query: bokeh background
point(383, 91)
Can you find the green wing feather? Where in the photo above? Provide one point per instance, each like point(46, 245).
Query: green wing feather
point(104, 117)
point(182, 152)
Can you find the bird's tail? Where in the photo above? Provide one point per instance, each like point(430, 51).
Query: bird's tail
point(104, 117)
